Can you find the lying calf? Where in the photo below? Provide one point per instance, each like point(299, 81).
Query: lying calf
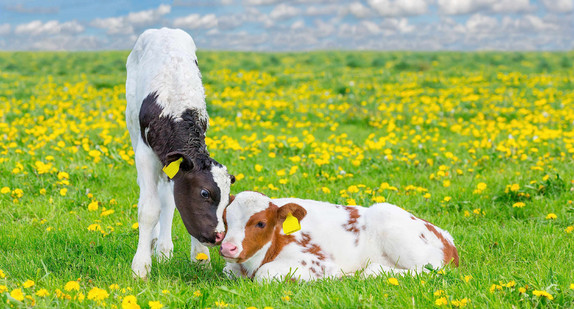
point(333, 241)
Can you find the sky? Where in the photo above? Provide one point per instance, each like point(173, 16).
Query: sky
point(293, 25)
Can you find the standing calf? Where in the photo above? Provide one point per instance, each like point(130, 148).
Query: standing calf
point(334, 240)
point(167, 119)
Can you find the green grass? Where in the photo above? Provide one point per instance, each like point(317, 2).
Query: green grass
point(440, 122)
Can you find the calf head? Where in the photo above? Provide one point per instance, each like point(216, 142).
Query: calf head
point(201, 192)
point(252, 221)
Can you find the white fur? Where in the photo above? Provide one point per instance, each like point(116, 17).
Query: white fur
point(389, 240)
point(223, 181)
point(162, 61)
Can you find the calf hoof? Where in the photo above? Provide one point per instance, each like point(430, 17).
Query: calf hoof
point(141, 268)
point(163, 251)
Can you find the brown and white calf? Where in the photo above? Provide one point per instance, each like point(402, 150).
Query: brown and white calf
point(167, 119)
point(334, 240)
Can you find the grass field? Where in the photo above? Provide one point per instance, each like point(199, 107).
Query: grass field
point(481, 144)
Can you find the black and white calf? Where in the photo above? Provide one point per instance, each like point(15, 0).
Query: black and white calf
point(167, 119)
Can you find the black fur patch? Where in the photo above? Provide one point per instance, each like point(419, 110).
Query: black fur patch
point(165, 135)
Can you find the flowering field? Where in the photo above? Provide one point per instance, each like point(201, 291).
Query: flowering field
point(481, 144)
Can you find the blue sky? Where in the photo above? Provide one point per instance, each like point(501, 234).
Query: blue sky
point(273, 25)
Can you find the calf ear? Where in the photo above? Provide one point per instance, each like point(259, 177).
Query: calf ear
point(186, 163)
point(296, 210)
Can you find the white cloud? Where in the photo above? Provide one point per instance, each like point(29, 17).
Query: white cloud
point(512, 6)
point(5, 29)
point(196, 21)
point(52, 27)
point(332, 9)
point(359, 10)
point(457, 7)
point(284, 11)
point(528, 23)
point(148, 17)
point(559, 6)
point(300, 24)
point(125, 25)
point(399, 7)
point(479, 23)
point(394, 25)
point(260, 2)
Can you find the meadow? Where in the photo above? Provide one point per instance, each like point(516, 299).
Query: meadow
point(481, 144)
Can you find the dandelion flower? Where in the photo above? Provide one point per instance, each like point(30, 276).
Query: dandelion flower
point(63, 191)
point(155, 305)
point(393, 281)
point(17, 294)
point(551, 216)
point(114, 286)
point(543, 294)
point(42, 293)
point(72, 286)
point(518, 205)
point(3, 288)
point(130, 302)
point(197, 293)
point(135, 226)
point(441, 301)
point(5, 190)
point(97, 294)
point(201, 256)
point(2, 274)
point(28, 283)
point(93, 206)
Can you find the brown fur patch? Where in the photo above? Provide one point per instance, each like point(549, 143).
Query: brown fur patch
point(352, 224)
point(449, 250)
point(314, 249)
point(255, 237)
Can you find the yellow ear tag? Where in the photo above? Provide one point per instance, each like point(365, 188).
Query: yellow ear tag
point(291, 224)
point(172, 168)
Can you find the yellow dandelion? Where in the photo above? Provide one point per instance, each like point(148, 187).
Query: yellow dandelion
point(201, 256)
point(569, 229)
point(42, 293)
point(97, 294)
point(518, 205)
point(17, 294)
point(114, 286)
point(393, 281)
point(441, 301)
point(72, 286)
point(543, 294)
point(239, 176)
point(258, 168)
point(551, 216)
point(196, 293)
point(28, 283)
point(3, 288)
point(2, 274)
point(135, 226)
point(63, 191)
point(130, 302)
point(155, 305)
point(5, 190)
point(93, 206)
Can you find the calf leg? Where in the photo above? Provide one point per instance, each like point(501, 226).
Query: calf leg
point(197, 248)
point(149, 207)
point(164, 244)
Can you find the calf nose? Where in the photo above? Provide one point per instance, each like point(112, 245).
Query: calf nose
point(229, 250)
point(219, 237)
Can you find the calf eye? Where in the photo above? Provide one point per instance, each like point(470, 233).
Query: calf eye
point(260, 224)
point(204, 193)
